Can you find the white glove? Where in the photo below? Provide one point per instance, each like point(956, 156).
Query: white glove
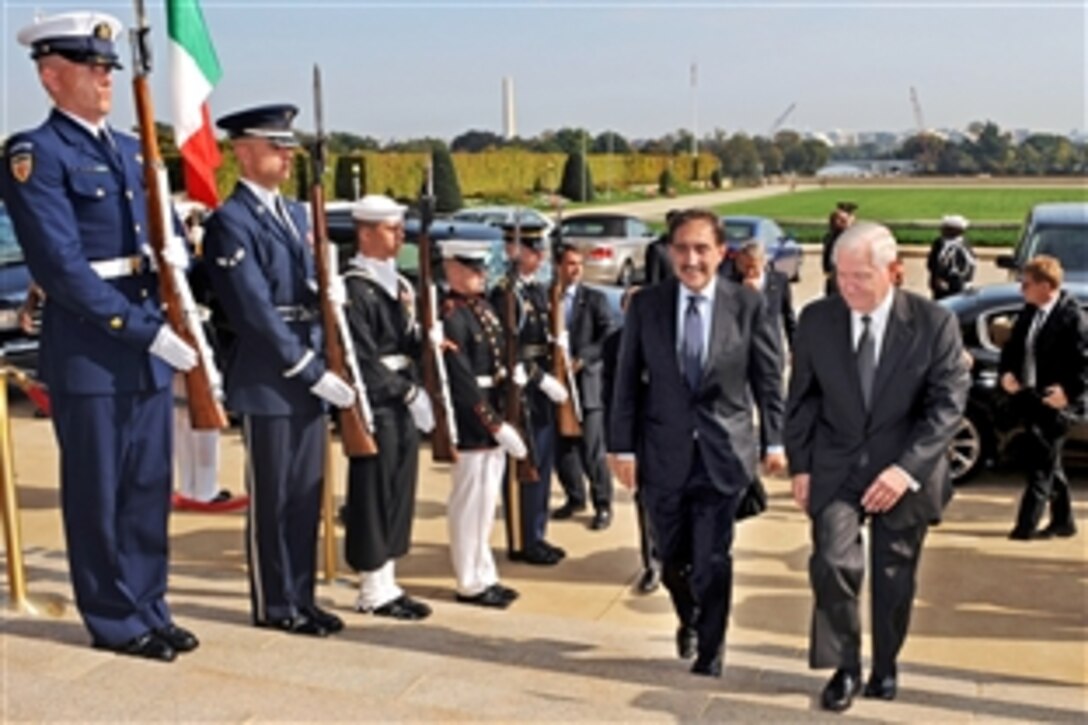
point(563, 340)
point(422, 413)
point(510, 441)
point(175, 351)
point(520, 376)
point(332, 388)
point(174, 252)
point(554, 389)
point(338, 291)
point(436, 335)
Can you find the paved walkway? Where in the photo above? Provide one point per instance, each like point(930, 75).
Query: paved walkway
point(999, 632)
point(655, 209)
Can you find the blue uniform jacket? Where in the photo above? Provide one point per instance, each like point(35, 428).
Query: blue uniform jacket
point(257, 268)
point(73, 202)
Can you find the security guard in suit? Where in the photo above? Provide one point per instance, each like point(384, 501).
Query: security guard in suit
point(74, 189)
point(472, 340)
point(525, 251)
point(262, 271)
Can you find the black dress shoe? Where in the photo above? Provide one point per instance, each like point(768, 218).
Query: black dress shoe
point(299, 624)
point(1062, 530)
point(490, 597)
point(177, 637)
point(687, 639)
point(649, 581)
point(708, 666)
point(881, 687)
point(1022, 535)
point(839, 693)
point(404, 608)
point(601, 520)
point(326, 619)
point(505, 592)
point(556, 550)
point(538, 555)
point(147, 645)
point(567, 510)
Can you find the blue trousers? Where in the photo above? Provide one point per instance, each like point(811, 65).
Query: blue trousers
point(116, 466)
point(533, 496)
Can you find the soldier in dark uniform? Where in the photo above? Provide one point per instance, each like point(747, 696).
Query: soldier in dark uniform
point(382, 489)
point(588, 323)
point(951, 262)
point(525, 541)
point(473, 342)
point(262, 271)
point(837, 222)
point(75, 192)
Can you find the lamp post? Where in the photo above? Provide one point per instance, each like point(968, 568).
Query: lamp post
point(355, 180)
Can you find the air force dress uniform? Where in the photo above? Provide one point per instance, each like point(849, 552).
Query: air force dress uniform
point(76, 197)
point(262, 271)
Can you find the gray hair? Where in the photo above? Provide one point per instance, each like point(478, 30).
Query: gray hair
point(876, 238)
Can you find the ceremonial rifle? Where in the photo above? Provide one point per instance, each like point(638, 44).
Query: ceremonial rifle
point(203, 384)
point(568, 414)
point(435, 379)
point(356, 422)
point(515, 413)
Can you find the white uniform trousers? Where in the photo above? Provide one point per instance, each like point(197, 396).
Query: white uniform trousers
point(377, 588)
point(477, 482)
point(196, 451)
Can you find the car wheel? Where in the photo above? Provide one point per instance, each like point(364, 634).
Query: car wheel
point(627, 275)
point(970, 447)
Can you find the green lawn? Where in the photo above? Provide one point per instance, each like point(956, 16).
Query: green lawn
point(900, 204)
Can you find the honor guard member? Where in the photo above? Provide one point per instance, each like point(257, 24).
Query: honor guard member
point(473, 344)
point(258, 248)
point(541, 392)
point(74, 188)
point(381, 313)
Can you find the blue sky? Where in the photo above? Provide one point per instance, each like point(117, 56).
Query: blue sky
point(408, 69)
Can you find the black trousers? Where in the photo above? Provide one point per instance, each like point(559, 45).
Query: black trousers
point(580, 458)
point(694, 524)
point(1045, 434)
point(647, 542)
point(836, 572)
point(284, 472)
point(382, 493)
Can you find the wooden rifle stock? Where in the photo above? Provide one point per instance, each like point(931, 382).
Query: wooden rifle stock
point(205, 411)
point(566, 415)
point(443, 445)
point(515, 413)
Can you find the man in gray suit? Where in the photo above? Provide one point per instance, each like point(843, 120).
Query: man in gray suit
point(877, 390)
point(692, 349)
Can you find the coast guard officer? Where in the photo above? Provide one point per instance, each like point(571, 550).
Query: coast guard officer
point(262, 270)
point(73, 187)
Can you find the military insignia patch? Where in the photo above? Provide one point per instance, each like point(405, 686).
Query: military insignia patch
point(102, 32)
point(22, 164)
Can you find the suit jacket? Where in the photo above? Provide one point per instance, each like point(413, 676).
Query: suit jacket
point(658, 264)
point(776, 290)
point(72, 202)
point(1061, 350)
point(656, 416)
point(257, 266)
point(590, 324)
point(919, 395)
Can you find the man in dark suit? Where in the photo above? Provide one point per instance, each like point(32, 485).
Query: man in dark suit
point(262, 272)
point(658, 264)
point(750, 268)
point(1044, 367)
point(837, 222)
point(587, 324)
point(693, 352)
point(877, 390)
point(74, 187)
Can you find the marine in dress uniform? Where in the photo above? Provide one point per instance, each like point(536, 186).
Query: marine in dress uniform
point(473, 344)
point(382, 489)
point(525, 541)
point(262, 271)
point(74, 189)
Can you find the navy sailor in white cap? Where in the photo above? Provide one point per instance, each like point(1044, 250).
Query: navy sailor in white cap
point(258, 253)
point(381, 314)
point(74, 188)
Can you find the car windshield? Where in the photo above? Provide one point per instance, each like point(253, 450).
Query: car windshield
point(10, 251)
point(1068, 244)
point(738, 231)
point(593, 228)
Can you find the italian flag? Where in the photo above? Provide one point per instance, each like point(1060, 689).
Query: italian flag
point(194, 71)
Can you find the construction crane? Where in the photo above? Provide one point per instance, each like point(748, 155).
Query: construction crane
point(781, 119)
point(919, 121)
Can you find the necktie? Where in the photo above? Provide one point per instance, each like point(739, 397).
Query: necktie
point(284, 217)
point(1029, 349)
point(866, 360)
point(568, 306)
point(693, 342)
point(105, 142)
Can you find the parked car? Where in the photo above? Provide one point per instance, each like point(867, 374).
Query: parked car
point(986, 316)
point(1057, 229)
point(782, 250)
point(613, 246)
point(502, 215)
point(16, 347)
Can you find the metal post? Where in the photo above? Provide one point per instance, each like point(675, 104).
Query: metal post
point(328, 513)
point(356, 185)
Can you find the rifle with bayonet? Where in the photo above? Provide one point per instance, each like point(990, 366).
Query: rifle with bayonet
point(203, 384)
point(356, 422)
point(515, 413)
point(435, 379)
point(568, 414)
